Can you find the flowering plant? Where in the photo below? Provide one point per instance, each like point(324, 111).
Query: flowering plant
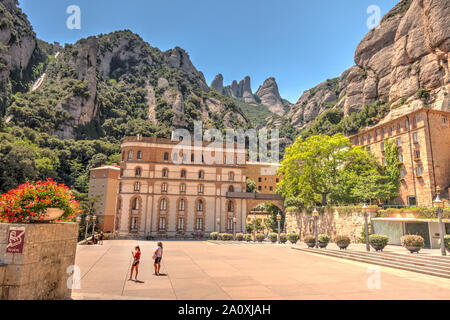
point(30, 201)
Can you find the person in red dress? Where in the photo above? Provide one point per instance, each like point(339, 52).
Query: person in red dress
point(136, 258)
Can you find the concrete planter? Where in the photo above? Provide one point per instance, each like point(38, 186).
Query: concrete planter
point(342, 246)
point(413, 249)
point(323, 245)
point(377, 247)
point(310, 244)
point(51, 214)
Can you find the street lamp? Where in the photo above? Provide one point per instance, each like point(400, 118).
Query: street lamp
point(94, 218)
point(316, 215)
point(254, 228)
point(87, 225)
point(278, 221)
point(234, 228)
point(365, 210)
point(439, 204)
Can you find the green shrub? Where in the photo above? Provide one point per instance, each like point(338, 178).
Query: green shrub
point(378, 240)
point(283, 238)
point(273, 237)
point(309, 239)
point(411, 240)
point(324, 238)
point(260, 237)
point(247, 237)
point(447, 241)
point(239, 237)
point(342, 240)
point(226, 236)
point(293, 237)
point(213, 235)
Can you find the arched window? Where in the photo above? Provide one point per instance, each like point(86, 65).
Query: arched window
point(230, 189)
point(135, 204)
point(165, 173)
point(181, 205)
point(201, 174)
point(163, 205)
point(183, 173)
point(138, 172)
point(231, 176)
point(164, 187)
point(137, 186)
point(166, 156)
point(130, 155)
point(139, 155)
point(182, 188)
point(230, 206)
point(200, 205)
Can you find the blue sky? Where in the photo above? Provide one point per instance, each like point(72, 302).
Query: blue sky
point(301, 43)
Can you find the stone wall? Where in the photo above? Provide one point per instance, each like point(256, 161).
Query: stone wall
point(332, 222)
point(39, 272)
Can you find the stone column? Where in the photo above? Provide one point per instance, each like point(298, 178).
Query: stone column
point(40, 271)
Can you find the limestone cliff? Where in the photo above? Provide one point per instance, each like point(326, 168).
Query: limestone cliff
point(269, 95)
point(404, 62)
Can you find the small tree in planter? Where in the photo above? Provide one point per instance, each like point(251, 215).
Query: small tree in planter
point(42, 201)
point(213, 235)
point(413, 242)
point(248, 237)
point(239, 237)
point(273, 237)
point(283, 238)
point(378, 241)
point(293, 237)
point(342, 241)
point(260, 237)
point(324, 239)
point(310, 241)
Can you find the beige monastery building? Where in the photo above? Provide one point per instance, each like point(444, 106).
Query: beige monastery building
point(423, 138)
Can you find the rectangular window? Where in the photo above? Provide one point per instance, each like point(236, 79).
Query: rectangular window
point(407, 124)
point(415, 122)
point(417, 154)
point(412, 202)
point(444, 120)
point(139, 155)
point(199, 224)
point(259, 188)
point(415, 137)
point(399, 142)
point(402, 174)
point(382, 146)
point(180, 224)
point(230, 224)
point(162, 223)
point(200, 189)
point(383, 161)
point(419, 171)
point(130, 155)
point(134, 224)
point(400, 158)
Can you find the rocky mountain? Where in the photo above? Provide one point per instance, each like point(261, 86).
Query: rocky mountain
point(402, 63)
point(267, 95)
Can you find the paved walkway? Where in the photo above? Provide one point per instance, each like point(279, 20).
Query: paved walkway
point(204, 270)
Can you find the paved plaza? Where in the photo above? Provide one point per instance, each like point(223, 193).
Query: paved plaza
point(206, 271)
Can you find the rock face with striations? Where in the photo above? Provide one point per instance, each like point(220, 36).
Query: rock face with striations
point(269, 95)
point(241, 90)
point(217, 83)
point(408, 52)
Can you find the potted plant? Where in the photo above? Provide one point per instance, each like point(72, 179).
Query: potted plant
point(447, 242)
point(273, 237)
point(413, 242)
point(324, 239)
point(42, 201)
point(283, 238)
point(293, 237)
point(227, 236)
point(239, 237)
point(248, 237)
point(213, 235)
point(260, 237)
point(310, 241)
point(378, 241)
point(342, 241)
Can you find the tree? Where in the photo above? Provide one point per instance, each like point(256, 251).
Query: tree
point(392, 168)
point(258, 226)
point(251, 186)
point(273, 210)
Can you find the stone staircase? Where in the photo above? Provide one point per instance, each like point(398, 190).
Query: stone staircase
point(429, 265)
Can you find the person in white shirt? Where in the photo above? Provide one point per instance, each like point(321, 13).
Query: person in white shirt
point(158, 256)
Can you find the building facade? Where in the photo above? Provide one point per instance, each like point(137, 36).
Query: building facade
point(103, 187)
point(423, 140)
point(159, 197)
point(264, 175)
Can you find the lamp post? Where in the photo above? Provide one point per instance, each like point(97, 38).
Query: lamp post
point(94, 218)
point(87, 225)
point(439, 204)
point(316, 215)
point(278, 221)
point(365, 210)
point(234, 228)
point(254, 228)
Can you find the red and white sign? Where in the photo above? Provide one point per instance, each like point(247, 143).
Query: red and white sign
point(16, 239)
